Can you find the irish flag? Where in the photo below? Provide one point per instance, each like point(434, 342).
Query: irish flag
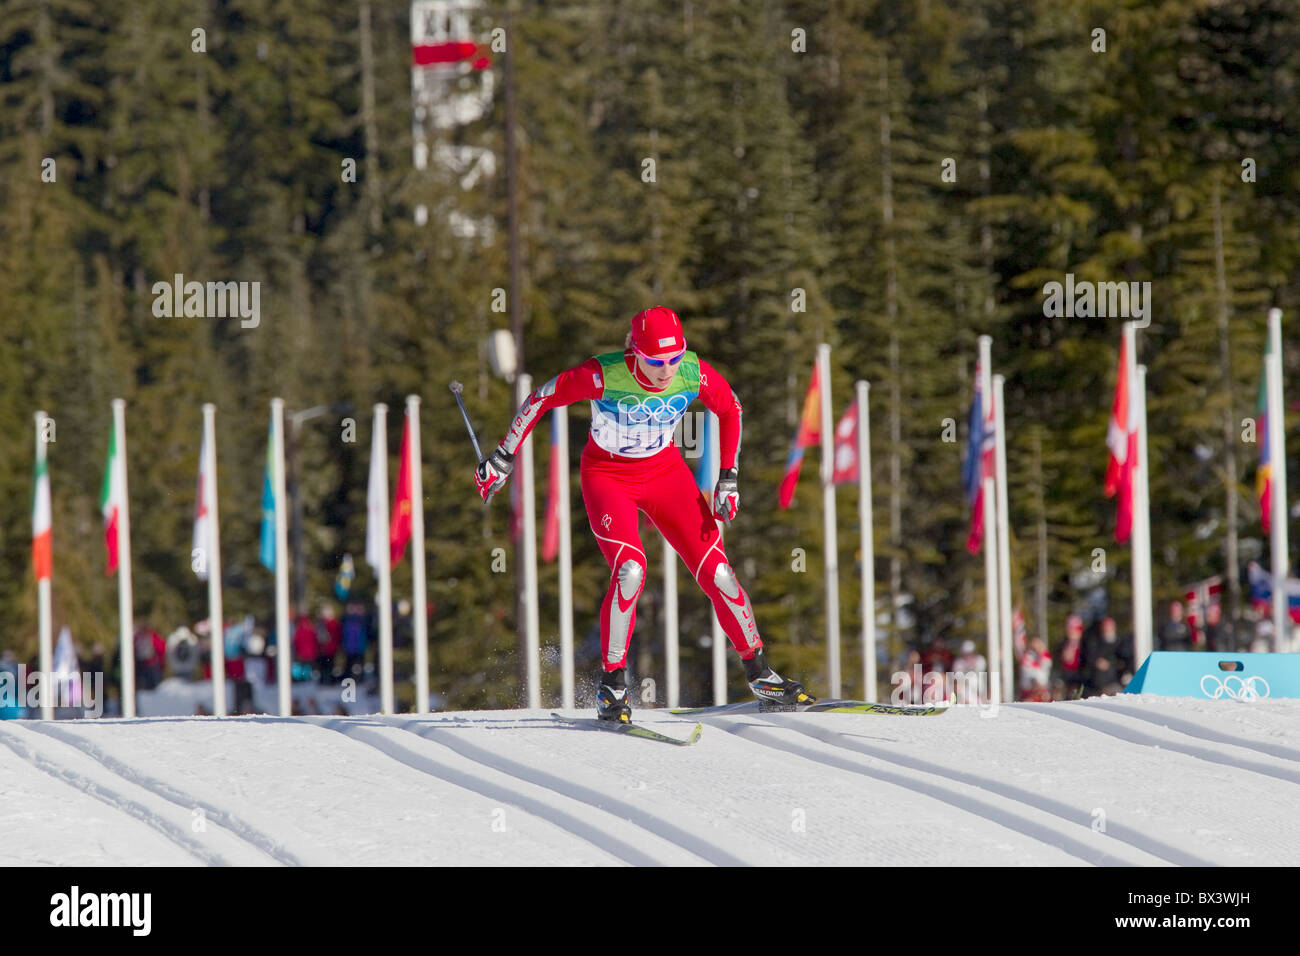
point(42, 554)
point(110, 500)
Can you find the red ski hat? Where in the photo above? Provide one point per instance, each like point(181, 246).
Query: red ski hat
point(658, 331)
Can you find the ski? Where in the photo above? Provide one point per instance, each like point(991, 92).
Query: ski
point(821, 706)
point(866, 707)
point(630, 730)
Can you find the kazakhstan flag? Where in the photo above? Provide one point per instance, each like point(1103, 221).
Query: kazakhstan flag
point(268, 507)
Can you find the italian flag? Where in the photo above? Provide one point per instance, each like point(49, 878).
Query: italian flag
point(42, 555)
point(110, 500)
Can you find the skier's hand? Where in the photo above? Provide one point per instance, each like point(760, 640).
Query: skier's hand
point(491, 474)
point(726, 495)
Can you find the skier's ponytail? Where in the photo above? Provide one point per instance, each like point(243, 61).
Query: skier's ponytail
point(627, 342)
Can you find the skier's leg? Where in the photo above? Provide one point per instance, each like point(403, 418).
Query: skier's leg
point(680, 512)
point(611, 510)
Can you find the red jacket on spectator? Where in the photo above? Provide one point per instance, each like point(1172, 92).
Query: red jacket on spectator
point(937, 658)
point(333, 636)
point(305, 645)
point(1035, 672)
point(1071, 657)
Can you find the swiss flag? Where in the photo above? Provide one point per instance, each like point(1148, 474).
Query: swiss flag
point(1121, 439)
point(846, 447)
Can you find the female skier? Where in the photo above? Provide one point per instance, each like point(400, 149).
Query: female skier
point(631, 464)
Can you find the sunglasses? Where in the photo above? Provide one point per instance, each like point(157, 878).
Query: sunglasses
point(658, 363)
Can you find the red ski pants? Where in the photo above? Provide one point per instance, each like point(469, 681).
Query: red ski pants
point(614, 490)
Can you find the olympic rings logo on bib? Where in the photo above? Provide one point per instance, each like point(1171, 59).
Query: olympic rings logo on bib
point(653, 408)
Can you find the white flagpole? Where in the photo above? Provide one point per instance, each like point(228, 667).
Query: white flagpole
point(991, 591)
point(419, 595)
point(866, 526)
point(125, 606)
point(284, 638)
point(46, 635)
point(1004, 537)
point(831, 545)
point(672, 649)
point(212, 558)
point(566, 559)
point(718, 647)
point(1142, 604)
point(379, 466)
point(532, 645)
point(993, 630)
point(1277, 462)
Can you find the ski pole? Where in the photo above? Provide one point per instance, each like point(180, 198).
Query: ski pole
point(457, 388)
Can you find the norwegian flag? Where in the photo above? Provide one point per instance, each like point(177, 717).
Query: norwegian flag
point(980, 460)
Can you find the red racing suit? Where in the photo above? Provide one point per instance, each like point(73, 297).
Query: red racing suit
point(630, 465)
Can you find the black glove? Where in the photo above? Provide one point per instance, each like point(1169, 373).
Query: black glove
point(491, 474)
point(726, 495)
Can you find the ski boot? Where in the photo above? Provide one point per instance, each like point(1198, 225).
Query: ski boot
point(773, 691)
point(611, 697)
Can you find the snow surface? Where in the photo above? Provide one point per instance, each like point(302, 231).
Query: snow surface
point(1129, 780)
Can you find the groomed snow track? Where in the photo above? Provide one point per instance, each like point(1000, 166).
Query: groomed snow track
point(1128, 781)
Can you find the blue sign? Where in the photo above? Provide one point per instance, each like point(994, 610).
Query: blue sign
point(1216, 676)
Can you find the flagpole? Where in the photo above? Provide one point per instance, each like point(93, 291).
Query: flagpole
point(46, 636)
point(566, 558)
point(988, 497)
point(718, 648)
point(671, 647)
point(419, 596)
point(711, 454)
point(831, 546)
point(866, 526)
point(1142, 602)
point(1277, 463)
point(125, 606)
point(532, 645)
point(212, 560)
point(283, 637)
point(993, 630)
point(1004, 534)
point(379, 470)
